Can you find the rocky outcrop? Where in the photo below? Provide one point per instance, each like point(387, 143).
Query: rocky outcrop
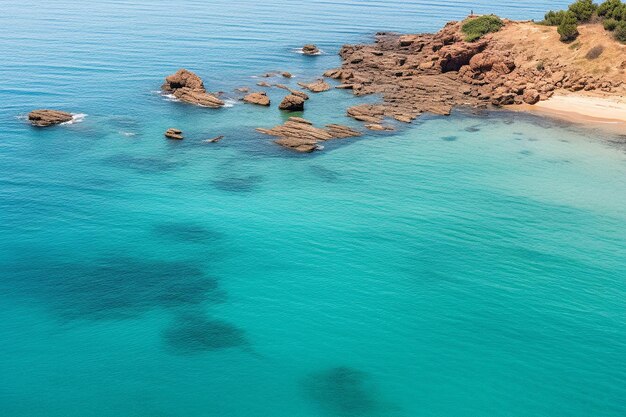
point(259, 98)
point(189, 88)
point(310, 49)
point(45, 117)
point(436, 72)
point(300, 135)
point(214, 140)
point(316, 87)
point(173, 133)
point(292, 103)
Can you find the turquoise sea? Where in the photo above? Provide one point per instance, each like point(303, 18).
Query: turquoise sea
point(471, 265)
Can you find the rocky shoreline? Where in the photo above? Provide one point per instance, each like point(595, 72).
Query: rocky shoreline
point(434, 73)
point(423, 73)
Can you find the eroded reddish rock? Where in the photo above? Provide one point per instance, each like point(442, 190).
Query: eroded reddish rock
point(300, 135)
point(189, 88)
point(259, 98)
point(46, 117)
point(316, 87)
point(531, 96)
point(292, 103)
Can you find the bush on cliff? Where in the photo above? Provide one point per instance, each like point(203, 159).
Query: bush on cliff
point(583, 10)
point(607, 8)
point(553, 18)
point(620, 32)
point(568, 28)
point(475, 28)
point(610, 24)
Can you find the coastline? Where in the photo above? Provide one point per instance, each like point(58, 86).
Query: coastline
point(602, 112)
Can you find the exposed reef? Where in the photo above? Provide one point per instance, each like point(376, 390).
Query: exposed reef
point(189, 88)
point(173, 133)
point(300, 134)
point(45, 117)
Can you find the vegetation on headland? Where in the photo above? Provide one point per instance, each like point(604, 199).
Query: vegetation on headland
point(612, 14)
point(475, 28)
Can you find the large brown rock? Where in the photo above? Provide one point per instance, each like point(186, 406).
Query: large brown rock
point(531, 96)
point(300, 135)
point(259, 98)
point(45, 117)
point(292, 103)
point(189, 88)
point(454, 56)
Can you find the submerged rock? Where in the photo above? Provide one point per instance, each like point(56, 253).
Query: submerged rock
point(300, 135)
point(214, 140)
point(295, 92)
point(310, 49)
point(173, 133)
point(292, 103)
point(259, 98)
point(44, 117)
point(189, 88)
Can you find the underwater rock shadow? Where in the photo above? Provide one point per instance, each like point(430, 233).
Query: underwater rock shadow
point(324, 173)
point(344, 391)
point(194, 334)
point(142, 164)
point(112, 288)
point(187, 232)
point(243, 184)
point(450, 138)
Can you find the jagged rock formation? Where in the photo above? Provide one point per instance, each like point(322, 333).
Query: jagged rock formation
point(45, 117)
point(298, 93)
point(292, 103)
point(300, 134)
point(189, 88)
point(436, 72)
point(259, 98)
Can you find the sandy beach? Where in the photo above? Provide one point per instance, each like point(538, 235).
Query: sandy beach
point(604, 111)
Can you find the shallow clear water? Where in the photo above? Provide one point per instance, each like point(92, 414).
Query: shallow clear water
point(468, 265)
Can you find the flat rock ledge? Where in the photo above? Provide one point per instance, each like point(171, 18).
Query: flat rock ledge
point(45, 117)
point(189, 88)
point(300, 135)
point(259, 98)
point(316, 87)
point(173, 133)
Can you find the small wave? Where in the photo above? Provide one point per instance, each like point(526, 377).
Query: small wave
point(76, 118)
point(170, 97)
point(22, 117)
point(230, 102)
point(127, 134)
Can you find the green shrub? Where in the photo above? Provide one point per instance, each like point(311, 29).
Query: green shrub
point(475, 28)
point(553, 18)
point(620, 32)
point(607, 8)
point(583, 9)
point(568, 28)
point(610, 24)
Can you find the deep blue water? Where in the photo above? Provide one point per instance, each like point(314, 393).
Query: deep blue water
point(471, 265)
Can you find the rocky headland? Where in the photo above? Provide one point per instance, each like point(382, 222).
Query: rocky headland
point(521, 63)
